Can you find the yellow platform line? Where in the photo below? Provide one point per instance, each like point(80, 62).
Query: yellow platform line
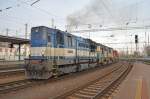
point(139, 89)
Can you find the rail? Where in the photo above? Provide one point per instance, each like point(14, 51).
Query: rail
point(5, 62)
point(15, 85)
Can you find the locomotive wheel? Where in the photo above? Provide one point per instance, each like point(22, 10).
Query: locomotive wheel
point(78, 67)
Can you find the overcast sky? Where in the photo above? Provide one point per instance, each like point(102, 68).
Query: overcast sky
point(39, 14)
point(14, 14)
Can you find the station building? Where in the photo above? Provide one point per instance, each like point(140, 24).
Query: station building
point(12, 48)
point(9, 52)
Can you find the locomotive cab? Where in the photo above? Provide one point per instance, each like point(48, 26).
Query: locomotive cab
point(36, 65)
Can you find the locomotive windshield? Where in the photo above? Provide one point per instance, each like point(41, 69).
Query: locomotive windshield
point(38, 37)
point(38, 33)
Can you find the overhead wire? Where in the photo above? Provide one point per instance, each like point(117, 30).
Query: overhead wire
point(34, 2)
point(42, 10)
point(14, 20)
point(28, 3)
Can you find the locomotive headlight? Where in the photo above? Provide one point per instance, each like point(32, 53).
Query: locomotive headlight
point(42, 52)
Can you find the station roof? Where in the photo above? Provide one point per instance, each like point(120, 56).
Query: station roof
point(14, 40)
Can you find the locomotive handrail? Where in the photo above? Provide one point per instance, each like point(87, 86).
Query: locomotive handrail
point(35, 59)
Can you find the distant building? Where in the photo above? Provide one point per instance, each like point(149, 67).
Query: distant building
point(8, 52)
point(5, 51)
point(147, 51)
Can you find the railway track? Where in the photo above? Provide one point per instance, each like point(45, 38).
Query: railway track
point(12, 72)
point(84, 91)
point(102, 87)
point(7, 69)
point(15, 85)
point(11, 68)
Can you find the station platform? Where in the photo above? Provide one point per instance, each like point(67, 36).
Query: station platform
point(136, 85)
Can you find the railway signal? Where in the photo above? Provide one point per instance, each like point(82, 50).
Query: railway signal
point(136, 43)
point(136, 39)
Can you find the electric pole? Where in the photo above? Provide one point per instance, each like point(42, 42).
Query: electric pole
point(148, 39)
point(26, 31)
point(7, 30)
point(145, 39)
point(26, 37)
point(52, 23)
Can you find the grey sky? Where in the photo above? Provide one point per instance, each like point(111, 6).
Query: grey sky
point(133, 11)
point(39, 14)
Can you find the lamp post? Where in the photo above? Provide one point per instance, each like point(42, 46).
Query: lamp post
point(89, 26)
point(131, 43)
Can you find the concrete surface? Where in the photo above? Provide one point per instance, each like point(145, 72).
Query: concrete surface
point(136, 85)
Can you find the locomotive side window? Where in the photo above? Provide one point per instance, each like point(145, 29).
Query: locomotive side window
point(83, 45)
point(93, 47)
point(44, 33)
point(60, 38)
point(102, 50)
point(109, 50)
point(48, 37)
point(69, 41)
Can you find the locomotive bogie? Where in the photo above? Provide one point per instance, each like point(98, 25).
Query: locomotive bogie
point(36, 69)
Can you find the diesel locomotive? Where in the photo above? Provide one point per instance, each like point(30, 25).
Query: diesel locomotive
point(55, 52)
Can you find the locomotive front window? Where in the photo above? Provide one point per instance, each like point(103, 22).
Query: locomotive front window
point(38, 35)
